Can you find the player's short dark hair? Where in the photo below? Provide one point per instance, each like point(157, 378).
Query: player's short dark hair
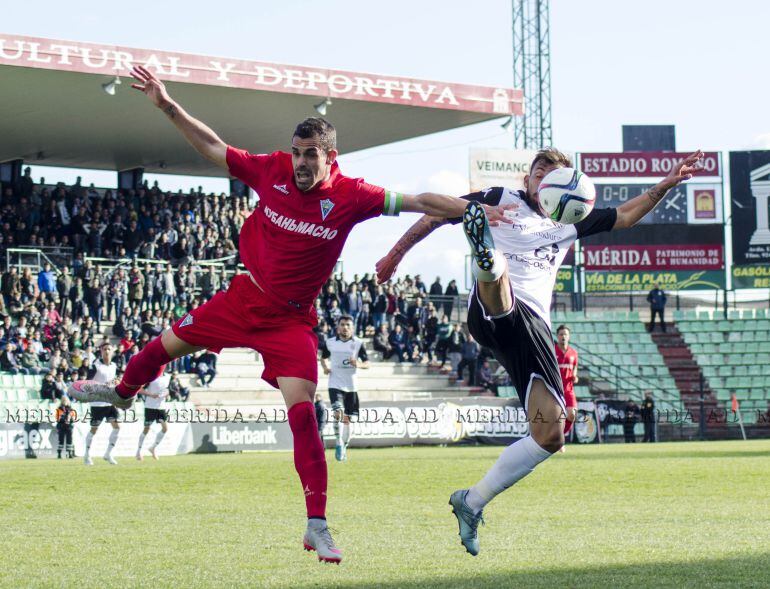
point(562, 326)
point(551, 155)
point(345, 318)
point(318, 127)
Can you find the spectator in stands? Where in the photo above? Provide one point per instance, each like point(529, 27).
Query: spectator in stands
point(210, 283)
point(52, 315)
point(63, 286)
point(450, 294)
point(379, 308)
point(95, 302)
point(413, 344)
point(135, 288)
point(10, 285)
point(442, 336)
point(430, 332)
point(381, 342)
point(334, 313)
point(9, 361)
point(150, 279)
point(648, 418)
point(629, 422)
point(470, 352)
point(60, 385)
point(133, 238)
point(391, 308)
point(48, 390)
point(168, 298)
point(486, 378)
point(436, 291)
point(176, 391)
point(206, 366)
point(419, 286)
point(149, 326)
point(46, 283)
point(454, 346)
point(657, 299)
point(352, 303)
point(77, 299)
point(28, 286)
point(398, 343)
point(364, 319)
point(30, 361)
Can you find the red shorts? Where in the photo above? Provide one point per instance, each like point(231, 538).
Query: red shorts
point(245, 317)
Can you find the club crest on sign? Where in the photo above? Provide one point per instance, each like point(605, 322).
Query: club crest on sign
point(326, 208)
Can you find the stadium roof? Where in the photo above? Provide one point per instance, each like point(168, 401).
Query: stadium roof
point(55, 111)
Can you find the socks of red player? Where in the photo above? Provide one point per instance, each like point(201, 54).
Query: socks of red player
point(143, 368)
point(309, 457)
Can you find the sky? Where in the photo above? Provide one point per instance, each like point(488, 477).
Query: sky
point(697, 65)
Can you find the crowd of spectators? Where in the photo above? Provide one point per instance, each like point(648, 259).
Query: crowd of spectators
point(147, 222)
point(167, 242)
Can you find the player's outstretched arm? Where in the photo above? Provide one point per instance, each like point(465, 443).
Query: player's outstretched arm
point(631, 212)
point(204, 140)
point(447, 207)
point(387, 266)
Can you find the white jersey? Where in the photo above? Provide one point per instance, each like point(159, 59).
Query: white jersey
point(159, 386)
point(536, 246)
point(343, 373)
point(104, 373)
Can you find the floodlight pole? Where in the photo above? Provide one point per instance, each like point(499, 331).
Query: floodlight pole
point(532, 72)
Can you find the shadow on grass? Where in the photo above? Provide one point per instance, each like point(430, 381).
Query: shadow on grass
point(719, 572)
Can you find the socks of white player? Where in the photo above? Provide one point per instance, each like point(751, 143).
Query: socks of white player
point(499, 267)
point(347, 432)
point(113, 441)
point(141, 441)
point(159, 438)
point(338, 425)
point(515, 462)
point(89, 439)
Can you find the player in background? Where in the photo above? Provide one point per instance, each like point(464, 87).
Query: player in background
point(515, 268)
point(289, 245)
point(155, 395)
point(347, 354)
point(567, 359)
point(103, 371)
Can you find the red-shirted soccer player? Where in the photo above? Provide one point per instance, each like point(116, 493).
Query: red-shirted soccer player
point(567, 359)
point(289, 246)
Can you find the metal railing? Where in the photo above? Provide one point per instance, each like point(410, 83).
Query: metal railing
point(36, 257)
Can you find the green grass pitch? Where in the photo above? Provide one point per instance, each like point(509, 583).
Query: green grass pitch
point(666, 515)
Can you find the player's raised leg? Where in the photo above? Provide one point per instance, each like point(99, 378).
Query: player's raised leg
point(489, 268)
point(143, 368)
point(310, 462)
point(546, 423)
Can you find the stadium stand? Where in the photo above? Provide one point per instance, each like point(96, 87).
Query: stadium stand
point(733, 353)
point(618, 356)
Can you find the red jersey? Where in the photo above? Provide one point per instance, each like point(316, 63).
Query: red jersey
point(293, 239)
point(567, 367)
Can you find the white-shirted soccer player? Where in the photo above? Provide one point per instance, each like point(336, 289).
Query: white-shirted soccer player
point(347, 354)
point(509, 309)
point(104, 371)
point(155, 395)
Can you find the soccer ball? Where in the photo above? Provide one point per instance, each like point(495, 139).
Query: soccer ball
point(567, 195)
